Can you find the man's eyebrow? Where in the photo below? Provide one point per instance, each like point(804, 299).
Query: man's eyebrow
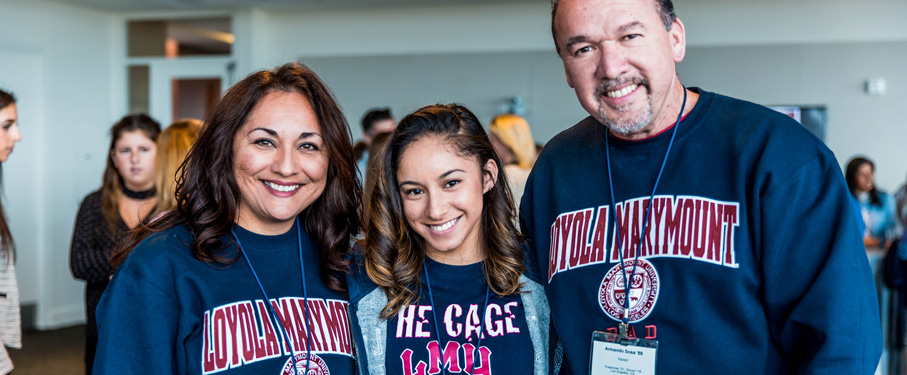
point(630, 25)
point(575, 40)
point(622, 29)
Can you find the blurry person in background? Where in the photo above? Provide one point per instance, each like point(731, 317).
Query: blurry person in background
point(10, 319)
point(512, 140)
point(375, 121)
point(876, 207)
point(125, 200)
point(900, 198)
point(375, 156)
point(172, 147)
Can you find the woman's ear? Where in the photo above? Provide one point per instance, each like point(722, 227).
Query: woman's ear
point(490, 173)
point(116, 163)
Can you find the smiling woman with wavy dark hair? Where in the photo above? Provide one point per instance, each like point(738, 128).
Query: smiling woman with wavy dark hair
point(266, 209)
point(441, 249)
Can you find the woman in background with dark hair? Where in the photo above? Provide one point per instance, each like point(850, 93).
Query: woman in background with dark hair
point(10, 320)
point(246, 275)
point(877, 207)
point(125, 199)
point(441, 284)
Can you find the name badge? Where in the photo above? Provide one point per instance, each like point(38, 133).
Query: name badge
point(612, 355)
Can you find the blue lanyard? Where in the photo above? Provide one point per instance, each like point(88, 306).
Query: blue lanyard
point(626, 316)
point(434, 314)
point(272, 314)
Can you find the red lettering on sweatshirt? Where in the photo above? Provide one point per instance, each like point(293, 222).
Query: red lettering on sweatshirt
point(688, 227)
point(244, 332)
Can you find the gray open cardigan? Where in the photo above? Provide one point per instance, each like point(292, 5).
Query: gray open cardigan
point(10, 320)
point(370, 331)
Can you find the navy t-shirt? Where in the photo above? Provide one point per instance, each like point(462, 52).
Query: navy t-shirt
point(459, 296)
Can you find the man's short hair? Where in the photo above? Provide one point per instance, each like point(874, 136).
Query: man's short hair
point(373, 116)
point(665, 10)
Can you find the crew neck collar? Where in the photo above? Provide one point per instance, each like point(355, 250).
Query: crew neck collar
point(450, 271)
point(261, 242)
point(688, 124)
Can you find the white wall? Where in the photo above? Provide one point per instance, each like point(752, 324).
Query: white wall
point(748, 22)
point(830, 74)
point(810, 52)
point(407, 30)
point(58, 59)
point(408, 82)
point(525, 26)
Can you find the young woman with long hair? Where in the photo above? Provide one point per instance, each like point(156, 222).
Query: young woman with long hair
point(10, 319)
point(440, 284)
point(125, 200)
point(246, 275)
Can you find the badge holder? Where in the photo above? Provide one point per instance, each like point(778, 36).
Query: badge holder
point(616, 354)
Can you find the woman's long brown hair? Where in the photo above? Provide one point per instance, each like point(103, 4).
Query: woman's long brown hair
point(208, 196)
point(394, 253)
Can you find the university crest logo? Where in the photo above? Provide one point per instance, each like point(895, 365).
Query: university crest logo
point(642, 292)
point(315, 366)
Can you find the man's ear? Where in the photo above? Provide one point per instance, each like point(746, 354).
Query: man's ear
point(678, 40)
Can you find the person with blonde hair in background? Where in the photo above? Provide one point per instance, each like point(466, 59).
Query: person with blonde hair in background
point(10, 318)
point(512, 140)
point(172, 147)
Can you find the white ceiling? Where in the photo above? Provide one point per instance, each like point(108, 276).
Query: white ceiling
point(142, 5)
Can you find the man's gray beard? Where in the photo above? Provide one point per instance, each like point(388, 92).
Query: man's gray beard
point(630, 126)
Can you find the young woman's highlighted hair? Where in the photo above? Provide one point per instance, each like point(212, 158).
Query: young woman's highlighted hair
point(439, 278)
